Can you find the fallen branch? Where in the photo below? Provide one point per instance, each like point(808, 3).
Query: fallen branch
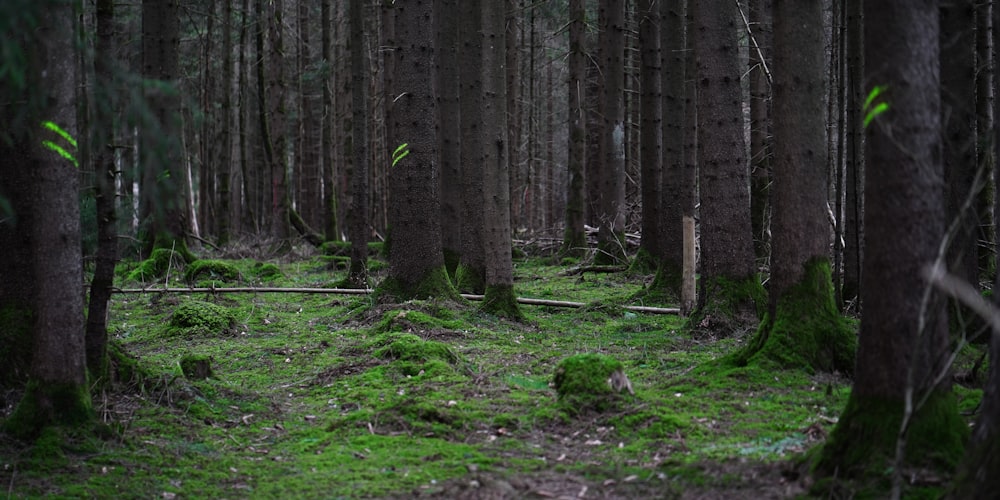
point(366, 291)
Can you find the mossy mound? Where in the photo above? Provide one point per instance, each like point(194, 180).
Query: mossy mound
point(409, 347)
point(200, 317)
point(590, 382)
point(266, 271)
point(402, 320)
point(159, 261)
point(216, 270)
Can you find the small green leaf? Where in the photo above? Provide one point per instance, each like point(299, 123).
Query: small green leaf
point(879, 108)
point(400, 153)
point(876, 91)
point(62, 133)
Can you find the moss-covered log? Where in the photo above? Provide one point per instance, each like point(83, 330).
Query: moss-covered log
point(805, 329)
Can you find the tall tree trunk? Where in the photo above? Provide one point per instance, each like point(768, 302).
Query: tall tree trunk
point(330, 222)
point(985, 72)
point(449, 132)
point(677, 193)
point(730, 291)
point(500, 298)
point(57, 392)
point(574, 238)
point(803, 328)
point(471, 274)
point(416, 259)
point(901, 383)
point(651, 135)
point(854, 164)
point(102, 139)
point(223, 215)
point(611, 220)
point(358, 273)
point(163, 203)
point(273, 130)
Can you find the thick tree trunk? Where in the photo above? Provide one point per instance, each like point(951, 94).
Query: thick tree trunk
point(500, 298)
point(225, 169)
point(57, 393)
point(730, 291)
point(760, 124)
point(854, 165)
point(677, 192)
point(611, 219)
point(470, 276)
point(574, 238)
point(449, 132)
point(416, 260)
point(650, 135)
point(901, 415)
point(358, 273)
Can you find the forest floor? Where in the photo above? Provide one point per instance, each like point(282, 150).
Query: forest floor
point(311, 397)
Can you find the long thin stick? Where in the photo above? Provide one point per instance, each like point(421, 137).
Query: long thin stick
point(366, 291)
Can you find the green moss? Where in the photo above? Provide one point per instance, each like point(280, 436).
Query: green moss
point(666, 285)
point(197, 316)
point(435, 284)
point(156, 266)
point(211, 269)
point(49, 404)
point(643, 263)
point(727, 305)
point(266, 271)
point(15, 345)
point(196, 366)
point(409, 347)
point(336, 248)
point(862, 446)
point(469, 279)
point(125, 369)
point(806, 330)
point(588, 381)
point(501, 301)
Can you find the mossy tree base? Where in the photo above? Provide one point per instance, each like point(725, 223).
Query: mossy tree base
point(590, 381)
point(666, 285)
point(729, 305)
point(469, 279)
point(643, 263)
point(501, 301)
point(805, 330)
point(862, 447)
point(49, 404)
point(574, 244)
point(435, 285)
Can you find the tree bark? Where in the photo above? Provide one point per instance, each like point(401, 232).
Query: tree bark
point(358, 273)
point(730, 292)
point(650, 135)
point(450, 124)
point(574, 237)
point(901, 413)
point(416, 259)
point(611, 219)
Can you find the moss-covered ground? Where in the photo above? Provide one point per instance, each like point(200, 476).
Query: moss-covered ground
point(340, 396)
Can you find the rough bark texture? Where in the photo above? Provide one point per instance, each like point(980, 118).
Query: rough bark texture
point(416, 261)
point(803, 326)
point(57, 392)
point(273, 124)
point(904, 335)
point(500, 298)
point(102, 139)
point(728, 296)
point(449, 131)
point(650, 136)
point(611, 220)
point(471, 274)
point(223, 214)
point(574, 237)
point(358, 273)
point(677, 192)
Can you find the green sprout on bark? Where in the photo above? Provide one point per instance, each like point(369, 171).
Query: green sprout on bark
point(400, 153)
point(873, 109)
point(61, 151)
